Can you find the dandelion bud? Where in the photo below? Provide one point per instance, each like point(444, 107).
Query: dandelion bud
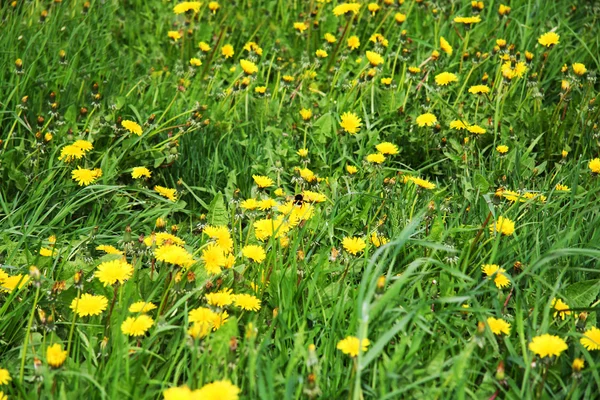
point(86, 7)
point(40, 120)
point(38, 135)
point(78, 279)
point(480, 328)
point(191, 277)
point(174, 229)
point(500, 371)
point(127, 234)
point(275, 312)
point(43, 15)
point(34, 273)
point(581, 319)
point(381, 283)
point(300, 255)
point(233, 344)
point(19, 64)
point(578, 364)
point(160, 223)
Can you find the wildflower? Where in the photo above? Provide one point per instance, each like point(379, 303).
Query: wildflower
point(89, 304)
point(329, 38)
point(132, 127)
point(561, 188)
point(375, 59)
point(175, 35)
point(306, 114)
point(262, 181)
point(426, 119)
point(187, 6)
point(321, 53)
point(346, 8)
point(387, 148)
point(561, 308)
point(425, 184)
point(300, 26)
point(352, 345)
point(302, 152)
point(140, 172)
point(175, 255)
point(549, 39)
point(227, 51)
point(70, 153)
point(591, 339)
point(458, 125)
point(445, 46)
point(137, 326)
point(218, 390)
point(168, 193)
point(378, 240)
point(400, 18)
point(141, 307)
point(479, 89)
point(353, 42)
point(161, 238)
point(376, 158)
point(220, 299)
point(579, 69)
point(213, 6)
point(354, 245)
point(386, 81)
point(578, 364)
point(249, 67)
point(260, 89)
point(178, 393)
point(504, 226)
point(500, 278)
point(307, 174)
point(195, 62)
point(502, 149)
point(254, 252)
point(373, 7)
point(467, 20)
point(4, 376)
point(594, 165)
point(222, 236)
point(498, 326)
point(83, 145)
point(204, 47)
point(116, 271)
point(249, 204)
point(503, 10)
point(351, 123)
point(547, 345)
point(83, 176)
point(213, 257)
point(45, 252)
point(351, 169)
point(55, 355)
point(247, 302)
point(445, 78)
point(9, 283)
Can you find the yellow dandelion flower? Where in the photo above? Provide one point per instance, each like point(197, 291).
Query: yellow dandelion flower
point(353, 42)
point(352, 345)
point(168, 193)
point(218, 390)
point(591, 339)
point(498, 326)
point(375, 59)
point(220, 299)
point(479, 89)
point(227, 51)
point(350, 122)
point(387, 148)
point(141, 307)
point(494, 270)
point(376, 158)
point(445, 78)
point(187, 6)
point(115, 271)
point(55, 355)
point(346, 8)
point(549, 39)
point(89, 305)
point(254, 252)
point(249, 67)
point(354, 245)
point(137, 326)
point(426, 119)
point(175, 255)
point(594, 165)
point(263, 181)
point(445, 46)
point(108, 249)
point(247, 302)
point(140, 172)
point(548, 345)
point(132, 127)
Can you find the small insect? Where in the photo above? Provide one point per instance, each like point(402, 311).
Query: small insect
point(299, 199)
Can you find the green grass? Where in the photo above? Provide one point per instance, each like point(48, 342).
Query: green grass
point(205, 134)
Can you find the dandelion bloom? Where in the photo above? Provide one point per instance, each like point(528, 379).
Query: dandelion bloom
point(168, 193)
point(479, 89)
point(321, 53)
point(70, 153)
point(249, 67)
point(214, 6)
point(140, 172)
point(221, 235)
point(178, 393)
point(300, 26)
point(227, 51)
point(141, 307)
point(213, 257)
point(263, 181)
point(387, 148)
point(329, 38)
point(302, 152)
point(108, 249)
point(591, 339)
point(84, 176)
point(375, 59)
point(476, 129)
point(86, 146)
point(218, 390)
point(89, 305)
point(351, 169)
point(4, 376)
point(425, 184)
point(175, 35)
point(220, 299)
point(504, 226)
point(247, 302)
point(561, 308)
point(350, 122)
point(9, 283)
point(549, 39)
point(373, 7)
point(376, 158)
point(503, 10)
point(445, 78)
point(426, 119)
point(458, 125)
point(547, 345)
point(137, 326)
point(260, 89)
point(378, 240)
point(579, 69)
point(498, 326)
point(502, 149)
point(494, 270)
point(352, 345)
point(55, 355)
point(353, 42)
point(561, 188)
point(195, 62)
point(306, 114)
point(346, 8)
point(386, 81)
point(249, 204)
point(175, 255)
point(115, 271)
point(467, 20)
point(578, 364)
point(594, 165)
point(400, 18)
point(46, 252)
point(354, 245)
point(205, 47)
point(445, 46)
point(254, 252)
point(187, 6)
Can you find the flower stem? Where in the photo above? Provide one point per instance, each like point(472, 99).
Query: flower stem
point(29, 323)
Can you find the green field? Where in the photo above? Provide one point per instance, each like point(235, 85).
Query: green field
point(299, 199)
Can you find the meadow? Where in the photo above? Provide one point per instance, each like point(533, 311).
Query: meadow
point(299, 199)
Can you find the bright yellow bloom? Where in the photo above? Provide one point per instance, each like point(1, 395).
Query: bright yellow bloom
point(375, 59)
point(4, 376)
point(378, 240)
point(353, 42)
point(46, 252)
point(549, 39)
point(578, 364)
point(140, 172)
point(302, 152)
point(175, 35)
point(213, 6)
point(306, 114)
point(494, 270)
point(445, 46)
point(70, 153)
point(350, 122)
point(174, 254)
point(594, 165)
point(221, 235)
point(83, 145)
point(195, 62)
point(467, 20)
point(562, 188)
point(351, 345)
point(205, 47)
point(346, 8)
point(247, 302)
point(254, 252)
point(425, 184)
point(213, 258)
point(458, 125)
point(300, 26)
point(445, 78)
point(178, 393)
point(9, 283)
point(373, 7)
point(376, 158)
point(476, 129)
point(83, 176)
point(218, 390)
point(503, 10)
point(262, 181)
point(548, 345)
point(260, 89)
point(591, 339)
point(168, 193)
point(426, 119)
point(137, 326)
point(479, 89)
point(498, 326)
point(504, 226)
point(55, 355)
point(351, 169)
point(141, 307)
point(502, 149)
point(249, 67)
point(579, 69)
point(387, 148)
point(249, 204)
point(89, 304)
point(400, 18)
point(227, 51)
point(330, 38)
point(115, 271)
point(321, 53)
point(354, 245)
point(187, 6)
point(220, 299)
point(561, 308)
